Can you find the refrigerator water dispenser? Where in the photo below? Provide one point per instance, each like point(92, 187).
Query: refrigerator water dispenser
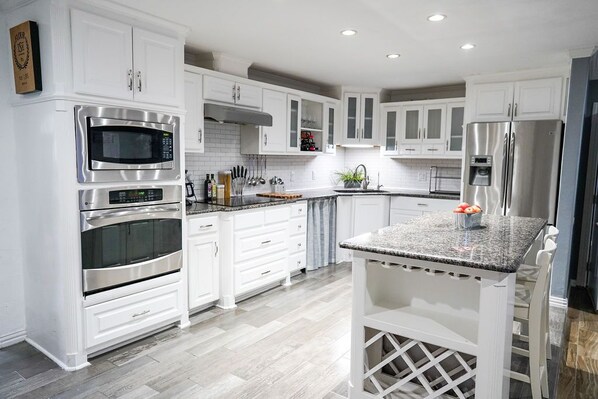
point(480, 170)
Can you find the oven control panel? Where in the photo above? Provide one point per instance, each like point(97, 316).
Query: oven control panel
point(137, 195)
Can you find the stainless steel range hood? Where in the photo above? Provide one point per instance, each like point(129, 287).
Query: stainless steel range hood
point(240, 116)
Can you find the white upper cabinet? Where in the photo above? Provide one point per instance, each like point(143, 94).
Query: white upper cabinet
point(114, 59)
point(412, 121)
point(360, 112)
point(455, 128)
point(522, 100)
point(330, 127)
point(228, 91)
point(194, 122)
point(390, 127)
point(294, 123)
point(274, 138)
point(434, 123)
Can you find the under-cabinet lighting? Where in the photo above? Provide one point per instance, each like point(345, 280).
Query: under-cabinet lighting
point(349, 32)
point(436, 18)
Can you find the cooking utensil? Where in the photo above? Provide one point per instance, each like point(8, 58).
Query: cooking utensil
point(262, 180)
point(255, 173)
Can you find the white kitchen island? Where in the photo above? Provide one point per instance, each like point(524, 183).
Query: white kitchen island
point(433, 307)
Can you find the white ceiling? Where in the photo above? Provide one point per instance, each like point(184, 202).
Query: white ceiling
point(301, 38)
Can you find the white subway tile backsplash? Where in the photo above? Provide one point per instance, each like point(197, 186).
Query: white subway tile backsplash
point(222, 152)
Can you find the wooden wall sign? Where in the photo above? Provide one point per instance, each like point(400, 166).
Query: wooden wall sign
point(24, 43)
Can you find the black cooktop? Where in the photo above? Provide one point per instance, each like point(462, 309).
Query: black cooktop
point(243, 201)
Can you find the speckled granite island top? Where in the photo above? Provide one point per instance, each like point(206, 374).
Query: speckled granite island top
point(499, 245)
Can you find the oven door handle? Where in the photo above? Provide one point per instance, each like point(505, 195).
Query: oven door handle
point(94, 219)
point(95, 122)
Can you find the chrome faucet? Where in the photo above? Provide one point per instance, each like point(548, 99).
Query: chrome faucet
point(379, 186)
point(366, 179)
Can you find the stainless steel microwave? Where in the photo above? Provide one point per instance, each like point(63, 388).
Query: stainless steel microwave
point(119, 144)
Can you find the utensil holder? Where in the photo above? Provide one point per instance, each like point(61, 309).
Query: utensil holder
point(277, 188)
point(238, 186)
point(465, 221)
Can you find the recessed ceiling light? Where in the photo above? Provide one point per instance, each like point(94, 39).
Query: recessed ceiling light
point(467, 46)
point(436, 17)
point(349, 32)
point(393, 56)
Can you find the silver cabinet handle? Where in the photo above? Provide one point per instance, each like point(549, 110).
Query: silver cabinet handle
point(299, 262)
point(265, 139)
point(216, 249)
point(515, 110)
point(419, 132)
point(432, 149)
point(299, 227)
point(238, 92)
point(266, 272)
point(422, 204)
point(139, 81)
point(447, 143)
point(424, 133)
point(409, 149)
point(234, 92)
point(200, 135)
point(395, 145)
point(509, 110)
point(266, 242)
point(205, 226)
point(130, 75)
point(141, 313)
point(299, 245)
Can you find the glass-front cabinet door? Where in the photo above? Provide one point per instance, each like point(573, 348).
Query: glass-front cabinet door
point(454, 128)
point(390, 119)
point(351, 117)
point(434, 124)
point(294, 123)
point(330, 125)
point(369, 108)
point(411, 124)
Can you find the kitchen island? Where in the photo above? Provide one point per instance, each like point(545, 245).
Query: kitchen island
point(433, 307)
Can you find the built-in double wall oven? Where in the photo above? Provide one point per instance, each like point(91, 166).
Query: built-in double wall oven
point(131, 222)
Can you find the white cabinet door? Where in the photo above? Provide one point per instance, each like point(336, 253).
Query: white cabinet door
point(194, 123)
point(390, 129)
point(330, 127)
point(434, 124)
point(370, 213)
point(411, 122)
point(293, 127)
point(402, 215)
point(203, 267)
point(158, 62)
point(217, 89)
point(369, 119)
point(274, 137)
point(351, 120)
point(492, 102)
point(538, 99)
point(102, 56)
point(455, 128)
point(248, 95)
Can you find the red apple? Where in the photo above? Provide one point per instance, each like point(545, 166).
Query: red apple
point(469, 211)
point(477, 208)
point(464, 205)
point(458, 210)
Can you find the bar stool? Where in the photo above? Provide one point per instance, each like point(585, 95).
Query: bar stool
point(529, 307)
point(528, 273)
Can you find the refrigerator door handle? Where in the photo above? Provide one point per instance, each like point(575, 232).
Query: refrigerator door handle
point(503, 178)
point(511, 168)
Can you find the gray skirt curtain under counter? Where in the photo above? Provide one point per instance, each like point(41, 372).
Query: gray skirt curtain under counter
point(321, 232)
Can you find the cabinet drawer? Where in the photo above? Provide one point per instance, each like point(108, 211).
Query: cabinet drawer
point(123, 316)
point(410, 149)
point(297, 261)
point(202, 225)
point(258, 273)
point(297, 243)
point(259, 242)
point(299, 209)
point(249, 219)
point(277, 214)
point(433, 149)
point(423, 204)
point(297, 226)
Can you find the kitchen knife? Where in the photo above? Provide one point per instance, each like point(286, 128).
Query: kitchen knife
point(245, 173)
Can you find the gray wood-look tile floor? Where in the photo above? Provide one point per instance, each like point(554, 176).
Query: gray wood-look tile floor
point(289, 342)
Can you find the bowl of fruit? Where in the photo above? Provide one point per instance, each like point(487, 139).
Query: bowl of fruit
point(467, 216)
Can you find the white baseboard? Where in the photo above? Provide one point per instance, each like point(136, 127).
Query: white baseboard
point(54, 358)
point(12, 338)
point(558, 302)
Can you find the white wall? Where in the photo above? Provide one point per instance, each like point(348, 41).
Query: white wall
point(222, 151)
point(12, 299)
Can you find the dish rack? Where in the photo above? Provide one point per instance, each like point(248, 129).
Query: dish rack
point(445, 180)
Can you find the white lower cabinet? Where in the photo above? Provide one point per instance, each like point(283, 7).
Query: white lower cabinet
point(298, 237)
point(116, 320)
point(404, 209)
point(203, 260)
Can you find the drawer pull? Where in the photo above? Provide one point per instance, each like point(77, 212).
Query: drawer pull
point(205, 226)
point(299, 245)
point(300, 209)
point(432, 149)
point(299, 227)
point(422, 204)
point(298, 262)
point(266, 242)
point(409, 149)
point(141, 313)
point(266, 272)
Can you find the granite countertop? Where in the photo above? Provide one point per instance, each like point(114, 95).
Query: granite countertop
point(499, 245)
point(201, 208)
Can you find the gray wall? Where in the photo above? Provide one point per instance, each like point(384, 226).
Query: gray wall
point(568, 214)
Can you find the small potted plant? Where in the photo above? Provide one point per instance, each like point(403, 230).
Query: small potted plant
point(350, 178)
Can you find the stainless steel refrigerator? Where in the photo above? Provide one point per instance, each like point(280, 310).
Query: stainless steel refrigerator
point(512, 168)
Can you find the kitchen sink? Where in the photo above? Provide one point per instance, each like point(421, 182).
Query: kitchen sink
point(358, 190)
